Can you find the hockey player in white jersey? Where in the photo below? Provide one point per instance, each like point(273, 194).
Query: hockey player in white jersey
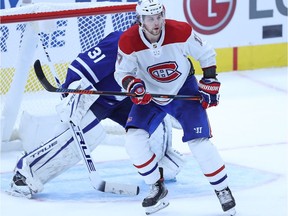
point(93, 69)
point(152, 58)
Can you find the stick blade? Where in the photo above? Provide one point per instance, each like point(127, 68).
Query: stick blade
point(41, 77)
point(122, 189)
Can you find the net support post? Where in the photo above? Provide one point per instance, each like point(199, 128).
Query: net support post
point(15, 94)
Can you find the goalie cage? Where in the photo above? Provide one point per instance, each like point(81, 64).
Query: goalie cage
point(57, 31)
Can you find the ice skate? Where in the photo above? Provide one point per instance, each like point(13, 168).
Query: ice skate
point(24, 183)
point(19, 188)
point(156, 200)
point(227, 201)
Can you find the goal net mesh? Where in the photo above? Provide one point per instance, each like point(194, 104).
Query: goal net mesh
point(60, 39)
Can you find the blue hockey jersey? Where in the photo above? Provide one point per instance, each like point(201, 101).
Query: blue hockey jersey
point(98, 65)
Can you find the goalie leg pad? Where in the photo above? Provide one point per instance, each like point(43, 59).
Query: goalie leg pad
point(58, 154)
point(161, 139)
point(172, 163)
point(161, 144)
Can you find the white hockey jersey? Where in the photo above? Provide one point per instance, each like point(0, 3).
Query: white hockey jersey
point(163, 65)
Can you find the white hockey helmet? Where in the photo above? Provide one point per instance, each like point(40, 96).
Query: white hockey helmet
point(149, 7)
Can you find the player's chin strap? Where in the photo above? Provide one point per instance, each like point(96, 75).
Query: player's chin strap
point(85, 154)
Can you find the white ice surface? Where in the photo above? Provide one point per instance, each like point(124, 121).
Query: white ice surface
point(250, 128)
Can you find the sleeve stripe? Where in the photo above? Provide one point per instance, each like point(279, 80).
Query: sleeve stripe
point(76, 71)
point(89, 70)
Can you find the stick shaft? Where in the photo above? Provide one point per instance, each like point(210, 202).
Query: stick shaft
point(47, 85)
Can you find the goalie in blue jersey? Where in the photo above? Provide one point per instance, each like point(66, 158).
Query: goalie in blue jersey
point(93, 69)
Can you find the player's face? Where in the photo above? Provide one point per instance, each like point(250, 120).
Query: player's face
point(153, 23)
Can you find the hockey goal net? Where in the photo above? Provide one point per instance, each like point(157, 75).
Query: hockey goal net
point(55, 33)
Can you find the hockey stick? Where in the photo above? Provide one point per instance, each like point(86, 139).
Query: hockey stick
point(96, 180)
point(47, 85)
point(85, 153)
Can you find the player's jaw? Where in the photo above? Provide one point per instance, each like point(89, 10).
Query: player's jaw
point(152, 25)
point(154, 31)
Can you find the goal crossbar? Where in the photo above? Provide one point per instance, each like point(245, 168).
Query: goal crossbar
point(37, 16)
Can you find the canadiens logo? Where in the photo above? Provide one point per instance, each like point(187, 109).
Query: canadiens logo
point(164, 72)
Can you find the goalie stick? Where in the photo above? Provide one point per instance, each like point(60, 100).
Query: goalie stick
point(97, 182)
point(47, 85)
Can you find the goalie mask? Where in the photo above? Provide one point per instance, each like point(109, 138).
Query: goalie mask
point(149, 7)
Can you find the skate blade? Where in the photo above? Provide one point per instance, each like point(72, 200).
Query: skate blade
point(231, 211)
point(157, 207)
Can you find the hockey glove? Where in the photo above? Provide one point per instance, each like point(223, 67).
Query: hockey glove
point(209, 90)
point(75, 106)
point(137, 86)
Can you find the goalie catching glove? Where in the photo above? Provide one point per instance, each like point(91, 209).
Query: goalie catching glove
point(74, 106)
point(137, 86)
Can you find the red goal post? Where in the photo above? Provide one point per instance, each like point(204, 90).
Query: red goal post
point(46, 15)
point(41, 31)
